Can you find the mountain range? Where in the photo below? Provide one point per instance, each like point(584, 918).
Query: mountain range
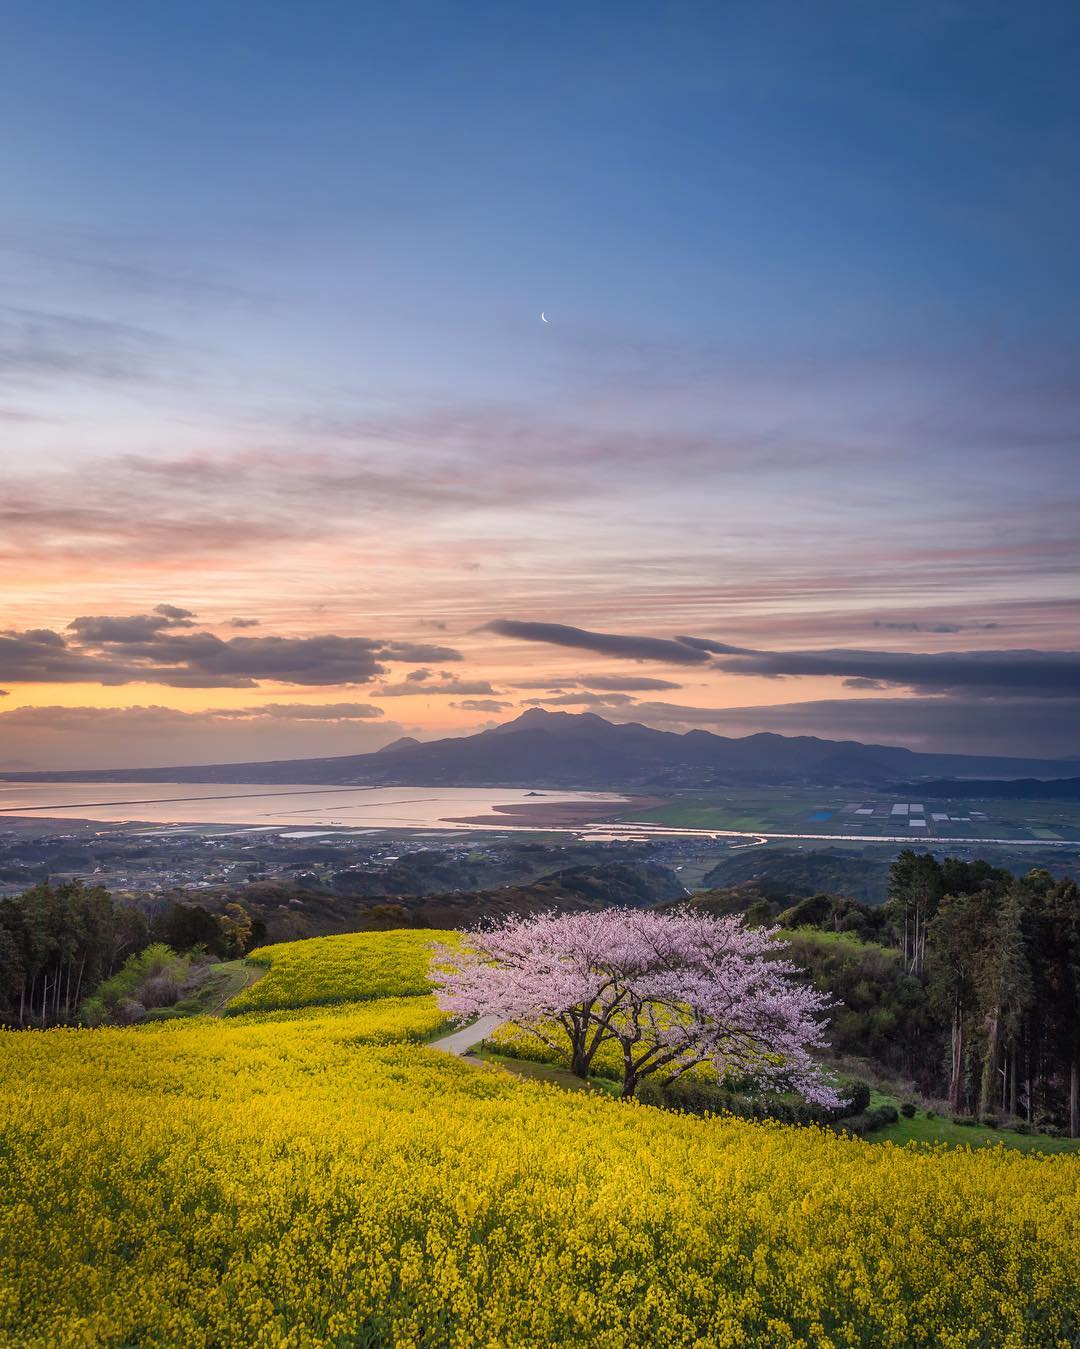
point(562, 749)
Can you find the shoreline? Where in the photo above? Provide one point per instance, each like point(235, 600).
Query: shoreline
point(565, 814)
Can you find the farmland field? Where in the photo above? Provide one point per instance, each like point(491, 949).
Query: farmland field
point(844, 813)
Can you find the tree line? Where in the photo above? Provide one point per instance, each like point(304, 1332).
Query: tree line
point(968, 982)
point(999, 957)
point(58, 944)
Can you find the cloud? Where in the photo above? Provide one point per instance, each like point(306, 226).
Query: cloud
point(625, 683)
point(41, 656)
point(909, 626)
point(613, 683)
point(606, 643)
point(161, 648)
point(414, 685)
point(201, 505)
point(154, 736)
point(418, 651)
point(481, 705)
point(42, 345)
point(715, 648)
point(242, 623)
point(1045, 674)
point(135, 628)
point(306, 711)
point(584, 699)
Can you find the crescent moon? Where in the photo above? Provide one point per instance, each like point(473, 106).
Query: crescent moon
point(543, 317)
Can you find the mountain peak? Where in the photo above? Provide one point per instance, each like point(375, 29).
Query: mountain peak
point(540, 719)
point(402, 742)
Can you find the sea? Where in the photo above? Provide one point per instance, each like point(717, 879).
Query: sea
point(270, 806)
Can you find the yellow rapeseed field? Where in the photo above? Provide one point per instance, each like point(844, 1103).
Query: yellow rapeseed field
point(340, 969)
point(607, 1061)
point(284, 1181)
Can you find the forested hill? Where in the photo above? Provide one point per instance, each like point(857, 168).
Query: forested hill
point(357, 901)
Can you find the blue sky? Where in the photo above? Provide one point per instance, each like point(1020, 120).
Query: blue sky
point(273, 274)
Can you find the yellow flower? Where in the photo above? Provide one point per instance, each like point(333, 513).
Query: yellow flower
point(315, 1177)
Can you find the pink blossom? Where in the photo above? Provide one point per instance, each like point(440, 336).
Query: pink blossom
point(671, 989)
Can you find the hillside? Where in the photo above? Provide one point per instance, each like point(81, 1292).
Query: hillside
point(309, 1174)
point(369, 899)
point(779, 872)
point(561, 749)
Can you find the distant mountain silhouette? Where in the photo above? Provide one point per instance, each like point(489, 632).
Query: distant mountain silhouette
point(563, 749)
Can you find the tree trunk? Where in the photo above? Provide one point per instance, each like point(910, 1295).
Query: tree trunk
point(990, 1063)
point(78, 982)
point(956, 1078)
point(1074, 1094)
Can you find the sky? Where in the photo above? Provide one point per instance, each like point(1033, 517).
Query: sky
point(291, 465)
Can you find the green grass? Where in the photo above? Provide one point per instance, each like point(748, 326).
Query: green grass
point(223, 982)
point(547, 1072)
point(921, 1129)
point(843, 940)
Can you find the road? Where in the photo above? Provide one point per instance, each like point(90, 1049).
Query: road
point(625, 831)
point(461, 1041)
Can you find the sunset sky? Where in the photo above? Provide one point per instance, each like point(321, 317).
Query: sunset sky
point(292, 466)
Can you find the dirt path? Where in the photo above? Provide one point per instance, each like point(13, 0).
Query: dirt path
point(461, 1041)
point(228, 979)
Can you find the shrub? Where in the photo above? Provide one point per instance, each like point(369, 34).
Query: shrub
point(160, 990)
point(931, 1114)
point(990, 1121)
point(128, 1012)
point(908, 1110)
point(857, 1093)
point(151, 978)
point(92, 1012)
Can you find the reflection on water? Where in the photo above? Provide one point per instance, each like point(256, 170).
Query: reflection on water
point(267, 806)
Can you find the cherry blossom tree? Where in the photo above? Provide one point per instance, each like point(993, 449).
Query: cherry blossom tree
point(672, 990)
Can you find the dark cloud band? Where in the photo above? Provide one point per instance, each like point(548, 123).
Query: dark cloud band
point(162, 648)
point(1036, 674)
point(605, 643)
